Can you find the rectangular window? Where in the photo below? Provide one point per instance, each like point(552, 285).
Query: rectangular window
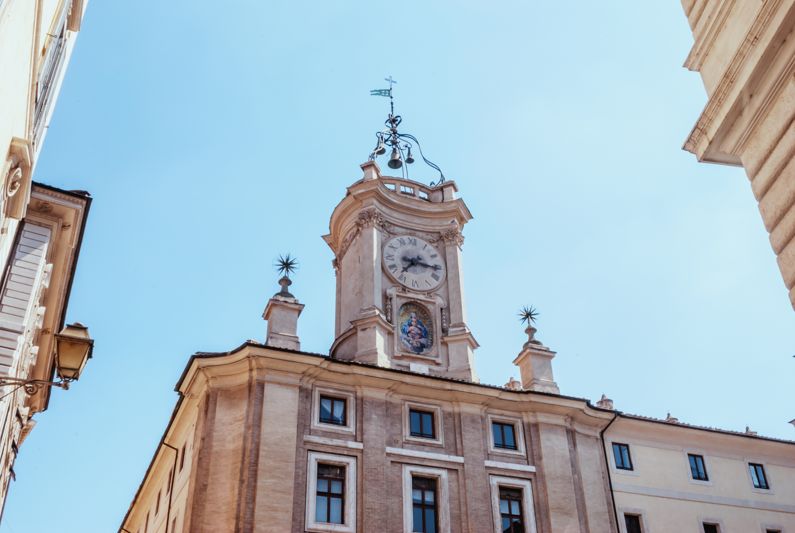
point(423, 505)
point(511, 516)
point(697, 468)
point(711, 528)
point(421, 424)
point(333, 410)
point(504, 435)
point(621, 456)
point(632, 521)
point(330, 494)
point(758, 476)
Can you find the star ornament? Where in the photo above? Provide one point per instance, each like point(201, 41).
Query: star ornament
point(528, 315)
point(286, 264)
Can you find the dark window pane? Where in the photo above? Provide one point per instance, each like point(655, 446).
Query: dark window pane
point(496, 432)
point(758, 476)
point(416, 427)
point(321, 509)
point(421, 424)
point(697, 468)
point(332, 410)
point(632, 522)
point(510, 441)
point(621, 456)
point(335, 512)
point(711, 528)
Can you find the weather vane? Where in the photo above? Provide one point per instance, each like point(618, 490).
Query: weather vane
point(401, 143)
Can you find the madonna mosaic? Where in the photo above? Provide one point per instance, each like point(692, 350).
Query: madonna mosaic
point(416, 329)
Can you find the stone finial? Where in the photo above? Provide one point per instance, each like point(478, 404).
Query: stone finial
point(535, 359)
point(283, 310)
point(605, 403)
point(513, 384)
point(749, 431)
point(671, 419)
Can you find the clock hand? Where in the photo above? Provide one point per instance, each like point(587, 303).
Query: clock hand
point(411, 261)
point(426, 265)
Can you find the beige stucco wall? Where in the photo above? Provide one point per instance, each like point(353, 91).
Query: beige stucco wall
point(660, 487)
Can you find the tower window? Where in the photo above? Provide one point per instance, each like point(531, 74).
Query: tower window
point(504, 435)
point(632, 521)
point(421, 424)
point(333, 410)
point(424, 505)
point(697, 468)
point(511, 516)
point(758, 476)
point(621, 456)
point(711, 528)
point(330, 494)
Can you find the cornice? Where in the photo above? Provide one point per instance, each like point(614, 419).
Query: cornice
point(705, 131)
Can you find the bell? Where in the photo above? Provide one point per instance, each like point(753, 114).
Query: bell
point(380, 149)
point(409, 157)
point(394, 159)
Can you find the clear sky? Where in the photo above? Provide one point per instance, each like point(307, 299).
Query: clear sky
point(214, 136)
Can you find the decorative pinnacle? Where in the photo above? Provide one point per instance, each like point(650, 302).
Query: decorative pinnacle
point(285, 265)
point(528, 315)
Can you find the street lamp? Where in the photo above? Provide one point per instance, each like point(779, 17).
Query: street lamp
point(73, 350)
point(73, 347)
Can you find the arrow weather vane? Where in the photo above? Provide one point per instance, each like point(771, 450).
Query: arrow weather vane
point(400, 142)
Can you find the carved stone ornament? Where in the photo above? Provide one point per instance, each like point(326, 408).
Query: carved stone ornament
point(17, 179)
point(388, 309)
point(452, 236)
point(367, 218)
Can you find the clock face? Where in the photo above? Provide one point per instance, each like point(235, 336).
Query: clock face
point(414, 263)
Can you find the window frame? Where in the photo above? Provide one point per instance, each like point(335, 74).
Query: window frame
point(423, 505)
point(435, 410)
point(629, 456)
point(334, 401)
point(706, 478)
point(349, 492)
point(350, 410)
point(442, 496)
point(639, 516)
point(528, 508)
point(767, 488)
point(518, 434)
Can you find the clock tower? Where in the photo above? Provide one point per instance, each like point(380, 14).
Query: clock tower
point(400, 303)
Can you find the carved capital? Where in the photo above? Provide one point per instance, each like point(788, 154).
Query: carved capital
point(452, 236)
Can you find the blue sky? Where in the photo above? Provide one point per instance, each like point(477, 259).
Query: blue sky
point(214, 137)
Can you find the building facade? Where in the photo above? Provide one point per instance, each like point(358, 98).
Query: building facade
point(41, 227)
point(392, 431)
point(746, 58)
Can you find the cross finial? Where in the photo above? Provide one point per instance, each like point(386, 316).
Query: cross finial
point(390, 81)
